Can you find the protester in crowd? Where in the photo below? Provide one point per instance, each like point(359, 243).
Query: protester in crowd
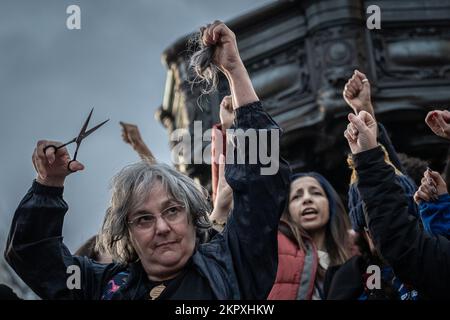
point(356, 205)
point(313, 235)
point(89, 250)
point(354, 271)
point(437, 120)
point(155, 217)
point(417, 258)
point(325, 240)
point(357, 94)
point(352, 280)
point(222, 204)
point(432, 195)
point(348, 281)
point(308, 241)
point(434, 204)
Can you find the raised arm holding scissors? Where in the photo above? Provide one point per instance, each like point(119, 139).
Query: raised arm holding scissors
point(52, 160)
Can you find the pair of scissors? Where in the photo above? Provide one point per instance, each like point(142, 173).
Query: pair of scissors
point(83, 134)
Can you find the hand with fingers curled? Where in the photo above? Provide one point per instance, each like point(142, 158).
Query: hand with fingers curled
point(439, 122)
point(132, 136)
point(432, 186)
point(217, 51)
point(357, 93)
point(52, 165)
point(226, 54)
point(226, 112)
point(361, 132)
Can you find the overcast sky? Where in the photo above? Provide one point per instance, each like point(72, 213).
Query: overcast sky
point(50, 77)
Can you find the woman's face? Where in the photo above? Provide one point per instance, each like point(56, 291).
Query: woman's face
point(164, 246)
point(308, 204)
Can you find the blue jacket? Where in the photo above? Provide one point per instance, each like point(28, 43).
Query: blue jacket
point(436, 215)
point(240, 263)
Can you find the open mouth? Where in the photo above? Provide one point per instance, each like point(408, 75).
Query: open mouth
point(309, 211)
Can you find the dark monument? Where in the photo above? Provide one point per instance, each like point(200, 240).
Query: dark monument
point(300, 54)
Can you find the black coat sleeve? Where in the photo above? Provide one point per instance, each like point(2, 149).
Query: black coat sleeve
point(417, 258)
point(384, 139)
point(259, 199)
point(36, 252)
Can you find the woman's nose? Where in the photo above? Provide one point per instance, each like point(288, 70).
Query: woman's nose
point(161, 226)
point(307, 198)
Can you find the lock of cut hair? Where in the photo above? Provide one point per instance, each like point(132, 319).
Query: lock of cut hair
point(206, 73)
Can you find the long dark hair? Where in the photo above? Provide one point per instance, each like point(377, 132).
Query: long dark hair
point(336, 232)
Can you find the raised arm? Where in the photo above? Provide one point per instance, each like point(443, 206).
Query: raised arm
point(132, 136)
point(439, 123)
point(259, 194)
point(357, 94)
point(223, 201)
point(434, 204)
point(35, 249)
point(218, 140)
point(417, 259)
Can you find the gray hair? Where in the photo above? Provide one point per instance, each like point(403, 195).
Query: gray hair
point(202, 64)
point(130, 190)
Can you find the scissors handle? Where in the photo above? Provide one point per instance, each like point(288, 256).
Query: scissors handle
point(56, 149)
point(51, 146)
point(59, 147)
point(68, 165)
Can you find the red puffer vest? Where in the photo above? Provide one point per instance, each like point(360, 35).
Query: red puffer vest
point(296, 270)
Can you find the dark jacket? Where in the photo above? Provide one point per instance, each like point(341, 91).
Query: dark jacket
point(383, 138)
point(349, 282)
point(241, 263)
point(416, 257)
point(345, 282)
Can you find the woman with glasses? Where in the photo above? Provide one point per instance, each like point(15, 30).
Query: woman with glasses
point(157, 215)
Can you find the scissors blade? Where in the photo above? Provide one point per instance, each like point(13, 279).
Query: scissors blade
point(65, 144)
point(81, 135)
point(94, 128)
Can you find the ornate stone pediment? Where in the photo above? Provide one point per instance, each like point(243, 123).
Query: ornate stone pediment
point(300, 54)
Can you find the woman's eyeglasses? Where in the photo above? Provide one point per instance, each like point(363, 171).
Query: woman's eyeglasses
point(171, 215)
